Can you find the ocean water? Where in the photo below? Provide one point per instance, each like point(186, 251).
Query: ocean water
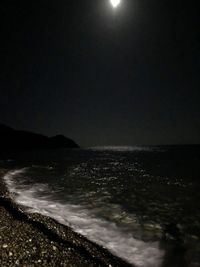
point(141, 203)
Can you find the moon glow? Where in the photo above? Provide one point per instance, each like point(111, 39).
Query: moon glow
point(115, 3)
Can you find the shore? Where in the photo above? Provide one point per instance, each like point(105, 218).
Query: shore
point(36, 240)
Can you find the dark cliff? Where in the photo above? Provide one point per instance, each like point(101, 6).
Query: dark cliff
point(11, 139)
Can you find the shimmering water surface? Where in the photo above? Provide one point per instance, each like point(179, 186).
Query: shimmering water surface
point(143, 204)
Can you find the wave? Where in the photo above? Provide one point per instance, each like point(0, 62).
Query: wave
point(102, 232)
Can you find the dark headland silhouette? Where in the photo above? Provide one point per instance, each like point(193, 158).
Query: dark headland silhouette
point(11, 139)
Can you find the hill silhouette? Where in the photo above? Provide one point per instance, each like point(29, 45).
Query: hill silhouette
point(11, 139)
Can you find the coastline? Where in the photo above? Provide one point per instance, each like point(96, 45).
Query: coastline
point(37, 240)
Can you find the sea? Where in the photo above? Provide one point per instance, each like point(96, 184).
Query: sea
point(141, 203)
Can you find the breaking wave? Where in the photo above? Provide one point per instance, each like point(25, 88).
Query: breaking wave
point(102, 232)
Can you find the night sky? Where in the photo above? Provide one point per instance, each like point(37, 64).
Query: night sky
point(99, 75)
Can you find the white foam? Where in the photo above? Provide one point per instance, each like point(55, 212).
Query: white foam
point(137, 252)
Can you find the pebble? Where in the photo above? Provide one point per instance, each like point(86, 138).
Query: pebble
point(194, 237)
point(27, 246)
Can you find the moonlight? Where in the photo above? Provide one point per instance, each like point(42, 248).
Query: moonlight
point(115, 3)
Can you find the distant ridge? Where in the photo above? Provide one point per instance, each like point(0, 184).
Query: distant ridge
point(11, 139)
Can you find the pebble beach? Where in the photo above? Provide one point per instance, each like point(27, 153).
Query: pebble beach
point(36, 240)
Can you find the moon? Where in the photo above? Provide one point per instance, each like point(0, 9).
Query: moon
point(115, 3)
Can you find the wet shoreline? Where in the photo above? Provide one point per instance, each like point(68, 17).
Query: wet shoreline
point(37, 240)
